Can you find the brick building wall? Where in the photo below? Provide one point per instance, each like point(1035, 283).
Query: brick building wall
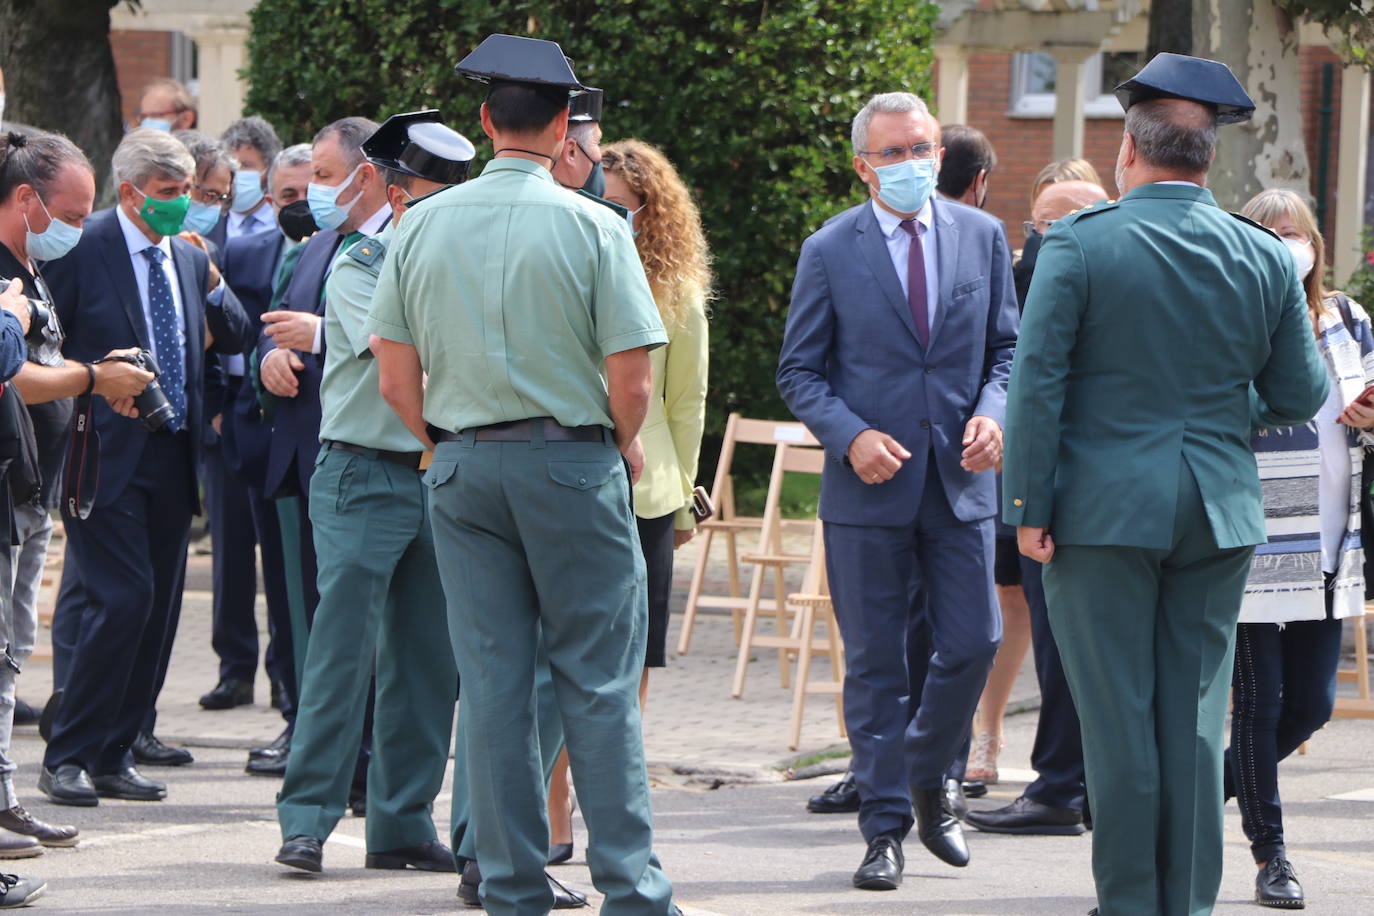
point(140, 57)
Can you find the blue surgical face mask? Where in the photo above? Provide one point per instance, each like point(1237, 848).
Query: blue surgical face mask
point(630, 218)
point(324, 201)
point(247, 190)
point(156, 124)
point(200, 218)
point(54, 241)
point(906, 186)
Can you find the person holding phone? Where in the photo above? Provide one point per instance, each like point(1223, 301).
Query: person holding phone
point(1309, 577)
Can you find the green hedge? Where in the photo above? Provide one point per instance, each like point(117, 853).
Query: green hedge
point(751, 100)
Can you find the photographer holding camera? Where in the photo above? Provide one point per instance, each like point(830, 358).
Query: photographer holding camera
point(47, 189)
point(129, 280)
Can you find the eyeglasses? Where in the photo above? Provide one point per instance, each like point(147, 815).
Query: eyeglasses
point(1031, 227)
point(209, 196)
point(902, 153)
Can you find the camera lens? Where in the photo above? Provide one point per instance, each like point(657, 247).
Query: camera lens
point(154, 410)
point(39, 316)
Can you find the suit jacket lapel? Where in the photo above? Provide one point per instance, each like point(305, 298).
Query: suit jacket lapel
point(192, 301)
point(874, 247)
point(117, 260)
point(947, 257)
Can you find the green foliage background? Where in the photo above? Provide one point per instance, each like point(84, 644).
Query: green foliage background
point(751, 100)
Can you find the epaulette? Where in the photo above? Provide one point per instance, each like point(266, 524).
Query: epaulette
point(1260, 226)
point(617, 209)
point(368, 252)
point(1101, 206)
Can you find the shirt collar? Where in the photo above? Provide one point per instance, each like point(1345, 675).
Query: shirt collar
point(891, 224)
point(1191, 184)
point(516, 164)
point(377, 221)
point(134, 237)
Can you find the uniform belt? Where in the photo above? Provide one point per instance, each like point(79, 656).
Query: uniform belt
point(405, 459)
point(524, 430)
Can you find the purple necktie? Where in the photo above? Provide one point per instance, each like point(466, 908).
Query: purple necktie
point(916, 280)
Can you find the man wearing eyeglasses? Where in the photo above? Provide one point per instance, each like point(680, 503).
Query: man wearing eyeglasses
point(896, 356)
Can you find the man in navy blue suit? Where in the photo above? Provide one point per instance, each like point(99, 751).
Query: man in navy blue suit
point(130, 282)
point(896, 356)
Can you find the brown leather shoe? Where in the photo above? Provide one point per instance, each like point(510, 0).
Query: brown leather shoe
point(17, 820)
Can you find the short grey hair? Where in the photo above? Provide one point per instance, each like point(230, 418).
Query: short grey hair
point(351, 133)
point(146, 154)
point(206, 151)
point(292, 155)
point(883, 103)
point(255, 132)
point(1168, 136)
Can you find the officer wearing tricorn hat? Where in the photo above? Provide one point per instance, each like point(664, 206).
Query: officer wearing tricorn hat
point(535, 335)
point(1158, 330)
point(381, 601)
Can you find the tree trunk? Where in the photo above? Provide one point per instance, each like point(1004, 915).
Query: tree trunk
point(60, 73)
point(1171, 27)
point(1260, 43)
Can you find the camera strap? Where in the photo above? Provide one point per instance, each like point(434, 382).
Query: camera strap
point(81, 478)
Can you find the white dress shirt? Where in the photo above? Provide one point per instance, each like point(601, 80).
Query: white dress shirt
point(899, 246)
point(137, 242)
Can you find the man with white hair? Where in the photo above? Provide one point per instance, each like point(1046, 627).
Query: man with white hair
point(898, 345)
point(129, 282)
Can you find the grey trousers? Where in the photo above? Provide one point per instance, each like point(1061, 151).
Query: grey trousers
point(19, 625)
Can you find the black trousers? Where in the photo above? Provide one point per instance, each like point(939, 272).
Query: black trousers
point(234, 631)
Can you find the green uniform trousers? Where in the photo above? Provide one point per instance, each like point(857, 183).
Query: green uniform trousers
point(1147, 639)
point(380, 600)
point(538, 538)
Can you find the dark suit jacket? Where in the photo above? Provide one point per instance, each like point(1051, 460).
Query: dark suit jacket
point(851, 359)
point(97, 300)
point(296, 424)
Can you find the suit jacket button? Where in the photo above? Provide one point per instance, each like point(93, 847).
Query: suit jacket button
point(925, 424)
point(1016, 502)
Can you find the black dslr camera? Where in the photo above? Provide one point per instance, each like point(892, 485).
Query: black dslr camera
point(154, 410)
point(39, 316)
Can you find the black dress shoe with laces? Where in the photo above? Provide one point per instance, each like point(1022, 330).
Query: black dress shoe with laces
point(130, 785)
point(954, 798)
point(1028, 817)
point(841, 798)
point(228, 693)
point(882, 865)
point(149, 751)
point(1277, 885)
point(431, 856)
point(302, 851)
point(564, 897)
point(68, 784)
point(938, 828)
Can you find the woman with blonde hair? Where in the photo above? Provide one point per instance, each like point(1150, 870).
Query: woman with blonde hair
point(1309, 576)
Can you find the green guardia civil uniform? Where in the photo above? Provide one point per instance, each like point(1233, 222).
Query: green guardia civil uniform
point(381, 601)
point(1156, 329)
point(514, 291)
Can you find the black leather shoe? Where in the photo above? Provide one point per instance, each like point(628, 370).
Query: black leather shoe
point(1024, 816)
point(974, 789)
point(276, 695)
point(228, 693)
point(68, 785)
point(469, 884)
point(130, 785)
point(49, 715)
point(564, 897)
point(24, 714)
point(882, 865)
point(357, 802)
point(301, 851)
point(841, 798)
point(937, 827)
point(151, 752)
point(1277, 885)
point(267, 766)
point(560, 853)
point(431, 856)
point(954, 798)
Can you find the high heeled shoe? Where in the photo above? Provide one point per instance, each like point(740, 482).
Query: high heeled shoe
point(982, 760)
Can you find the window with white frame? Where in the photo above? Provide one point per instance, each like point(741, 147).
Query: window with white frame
point(1034, 75)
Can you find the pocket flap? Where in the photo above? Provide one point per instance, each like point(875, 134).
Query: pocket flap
point(581, 475)
point(440, 470)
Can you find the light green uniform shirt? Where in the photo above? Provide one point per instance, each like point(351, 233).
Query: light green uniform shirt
point(350, 400)
point(514, 291)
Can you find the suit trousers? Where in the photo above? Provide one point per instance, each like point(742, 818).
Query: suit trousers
point(1057, 755)
point(873, 572)
point(1146, 637)
point(538, 539)
point(234, 630)
point(131, 553)
point(302, 592)
point(380, 602)
point(19, 625)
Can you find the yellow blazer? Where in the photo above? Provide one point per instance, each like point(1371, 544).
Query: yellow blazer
point(671, 434)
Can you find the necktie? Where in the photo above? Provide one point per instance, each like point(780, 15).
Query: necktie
point(916, 281)
point(171, 357)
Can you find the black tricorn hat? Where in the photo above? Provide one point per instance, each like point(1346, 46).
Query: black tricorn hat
point(586, 106)
point(513, 59)
point(1195, 79)
point(418, 143)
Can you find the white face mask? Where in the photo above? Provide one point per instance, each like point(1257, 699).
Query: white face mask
point(1304, 256)
point(2, 106)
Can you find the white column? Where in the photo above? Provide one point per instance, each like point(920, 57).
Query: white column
point(1350, 172)
point(953, 91)
point(222, 55)
point(1069, 97)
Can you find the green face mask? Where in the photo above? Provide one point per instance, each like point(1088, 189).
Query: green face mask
point(164, 216)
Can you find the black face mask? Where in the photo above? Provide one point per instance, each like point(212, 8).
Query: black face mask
point(295, 220)
point(595, 184)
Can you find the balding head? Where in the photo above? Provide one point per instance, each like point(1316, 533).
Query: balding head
point(1064, 197)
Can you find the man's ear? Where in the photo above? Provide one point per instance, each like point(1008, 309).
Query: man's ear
point(487, 127)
